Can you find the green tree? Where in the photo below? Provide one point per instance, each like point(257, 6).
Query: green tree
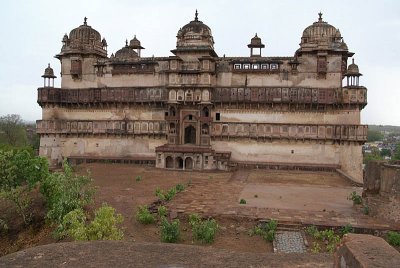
point(396, 155)
point(19, 173)
point(373, 156)
point(64, 192)
point(385, 152)
point(12, 130)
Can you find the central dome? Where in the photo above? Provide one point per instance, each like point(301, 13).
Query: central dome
point(195, 34)
point(321, 33)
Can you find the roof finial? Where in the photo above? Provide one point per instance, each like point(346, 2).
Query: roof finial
point(256, 35)
point(353, 60)
point(85, 21)
point(49, 65)
point(126, 42)
point(320, 16)
point(195, 16)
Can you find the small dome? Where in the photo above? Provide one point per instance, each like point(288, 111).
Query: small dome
point(135, 43)
point(353, 69)
point(256, 42)
point(195, 34)
point(126, 53)
point(322, 33)
point(49, 73)
point(83, 39)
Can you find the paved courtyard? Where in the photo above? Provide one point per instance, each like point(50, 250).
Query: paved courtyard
point(318, 198)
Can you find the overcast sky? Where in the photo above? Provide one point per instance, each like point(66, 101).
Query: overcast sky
point(31, 33)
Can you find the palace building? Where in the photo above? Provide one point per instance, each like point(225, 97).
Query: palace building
point(197, 110)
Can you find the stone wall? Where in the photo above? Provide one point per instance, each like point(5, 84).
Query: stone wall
point(382, 190)
point(365, 251)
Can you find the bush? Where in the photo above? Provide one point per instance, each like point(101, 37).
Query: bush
point(144, 216)
point(266, 230)
point(328, 236)
point(65, 192)
point(170, 193)
point(393, 238)
point(365, 210)
point(203, 230)
point(242, 201)
point(313, 231)
point(180, 187)
point(3, 226)
point(162, 211)
point(103, 226)
point(347, 229)
point(138, 178)
point(316, 248)
point(356, 198)
point(170, 232)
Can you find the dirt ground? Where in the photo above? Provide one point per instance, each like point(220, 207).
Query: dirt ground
point(215, 194)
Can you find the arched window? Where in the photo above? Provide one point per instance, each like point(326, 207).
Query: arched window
point(205, 112)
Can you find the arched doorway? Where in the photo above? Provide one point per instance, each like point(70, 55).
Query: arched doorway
point(188, 163)
point(179, 163)
point(190, 134)
point(169, 162)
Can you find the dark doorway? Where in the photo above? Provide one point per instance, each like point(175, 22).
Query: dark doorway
point(188, 163)
point(169, 162)
point(179, 163)
point(190, 135)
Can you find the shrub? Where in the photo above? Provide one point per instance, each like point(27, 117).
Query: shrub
point(203, 230)
point(179, 187)
point(162, 211)
point(316, 248)
point(242, 201)
point(170, 232)
point(144, 216)
point(3, 226)
point(313, 231)
point(170, 194)
point(65, 192)
point(138, 178)
point(347, 229)
point(393, 238)
point(356, 198)
point(365, 210)
point(266, 230)
point(103, 226)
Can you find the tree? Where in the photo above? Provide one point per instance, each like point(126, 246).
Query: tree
point(19, 173)
point(373, 156)
point(396, 155)
point(374, 135)
point(64, 192)
point(12, 128)
point(385, 152)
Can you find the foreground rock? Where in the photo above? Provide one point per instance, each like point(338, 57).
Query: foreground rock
point(130, 254)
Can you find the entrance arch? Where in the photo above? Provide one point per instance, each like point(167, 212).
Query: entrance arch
point(179, 163)
point(169, 162)
point(188, 163)
point(190, 135)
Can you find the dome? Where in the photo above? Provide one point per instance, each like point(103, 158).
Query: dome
point(195, 34)
point(324, 34)
point(83, 39)
point(256, 42)
point(125, 53)
point(353, 69)
point(48, 72)
point(135, 43)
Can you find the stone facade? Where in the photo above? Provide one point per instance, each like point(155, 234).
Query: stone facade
point(196, 110)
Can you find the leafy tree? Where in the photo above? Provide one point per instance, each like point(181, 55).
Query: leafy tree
point(385, 152)
point(64, 192)
point(19, 173)
point(373, 156)
point(396, 155)
point(13, 130)
point(374, 135)
point(103, 226)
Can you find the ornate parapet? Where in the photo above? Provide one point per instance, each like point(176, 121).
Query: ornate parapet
point(98, 127)
point(357, 133)
point(356, 96)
